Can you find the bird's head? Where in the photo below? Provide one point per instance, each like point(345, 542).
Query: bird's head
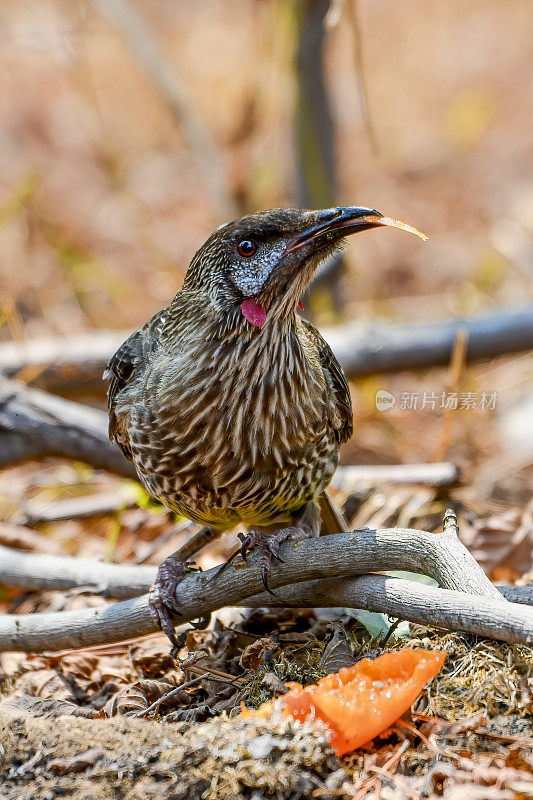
point(256, 268)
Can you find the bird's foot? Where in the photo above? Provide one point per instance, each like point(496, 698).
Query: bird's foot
point(270, 545)
point(162, 600)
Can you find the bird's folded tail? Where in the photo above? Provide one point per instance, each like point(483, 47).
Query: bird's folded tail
point(332, 518)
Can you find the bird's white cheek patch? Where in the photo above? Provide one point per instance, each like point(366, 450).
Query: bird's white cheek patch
point(251, 274)
point(254, 312)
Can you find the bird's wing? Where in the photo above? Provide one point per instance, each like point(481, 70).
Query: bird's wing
point(126, 363)
point(336, 381)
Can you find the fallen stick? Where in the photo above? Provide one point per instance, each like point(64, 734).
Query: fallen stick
point(83, 507)
point(356, 476)
point(53, 426)
point(62, 365)
point(22, 538)
point(32, 573)
point(74, 365)
point(16, 447)
point(391, 347)
point(441, 556)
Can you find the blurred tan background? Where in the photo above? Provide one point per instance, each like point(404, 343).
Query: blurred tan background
point(102, 201)
point(101, 205)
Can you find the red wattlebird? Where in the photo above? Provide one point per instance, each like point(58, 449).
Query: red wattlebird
point(231, 406)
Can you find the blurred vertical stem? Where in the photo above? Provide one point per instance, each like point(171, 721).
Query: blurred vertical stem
point(313, 121)
point(352, 11)
point(164, 76)
point(314, 134)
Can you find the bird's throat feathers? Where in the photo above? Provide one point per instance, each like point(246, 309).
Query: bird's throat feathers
point(197, 316)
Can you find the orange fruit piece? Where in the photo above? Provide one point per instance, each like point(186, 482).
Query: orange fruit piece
point(362, 701)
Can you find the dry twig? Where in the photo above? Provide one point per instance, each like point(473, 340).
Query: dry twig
point(52, 426)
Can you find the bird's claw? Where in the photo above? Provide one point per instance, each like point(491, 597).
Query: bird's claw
point(161, 599)
point(161, 616)
point(265, 572)
point(245, 547)
point(274, 551)
point(270, 546)
point(256, 539)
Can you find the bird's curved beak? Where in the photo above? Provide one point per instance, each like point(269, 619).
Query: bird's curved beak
point(328, 226)
point(331, 224)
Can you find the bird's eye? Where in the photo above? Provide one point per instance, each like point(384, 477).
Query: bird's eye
point(246, 248)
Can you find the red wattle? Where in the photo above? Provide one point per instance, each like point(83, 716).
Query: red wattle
point(300, 306)
point(254, 313)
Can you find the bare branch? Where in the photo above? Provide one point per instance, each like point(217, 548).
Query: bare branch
point(31, 572)
point(355, 476)
point(440, 555)
point(52, 426)
point(416, 602)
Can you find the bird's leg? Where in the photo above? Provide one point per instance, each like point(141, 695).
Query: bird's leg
point(173, 569)
point(307, 525)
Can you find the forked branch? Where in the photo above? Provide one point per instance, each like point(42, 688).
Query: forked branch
point(471, 602)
